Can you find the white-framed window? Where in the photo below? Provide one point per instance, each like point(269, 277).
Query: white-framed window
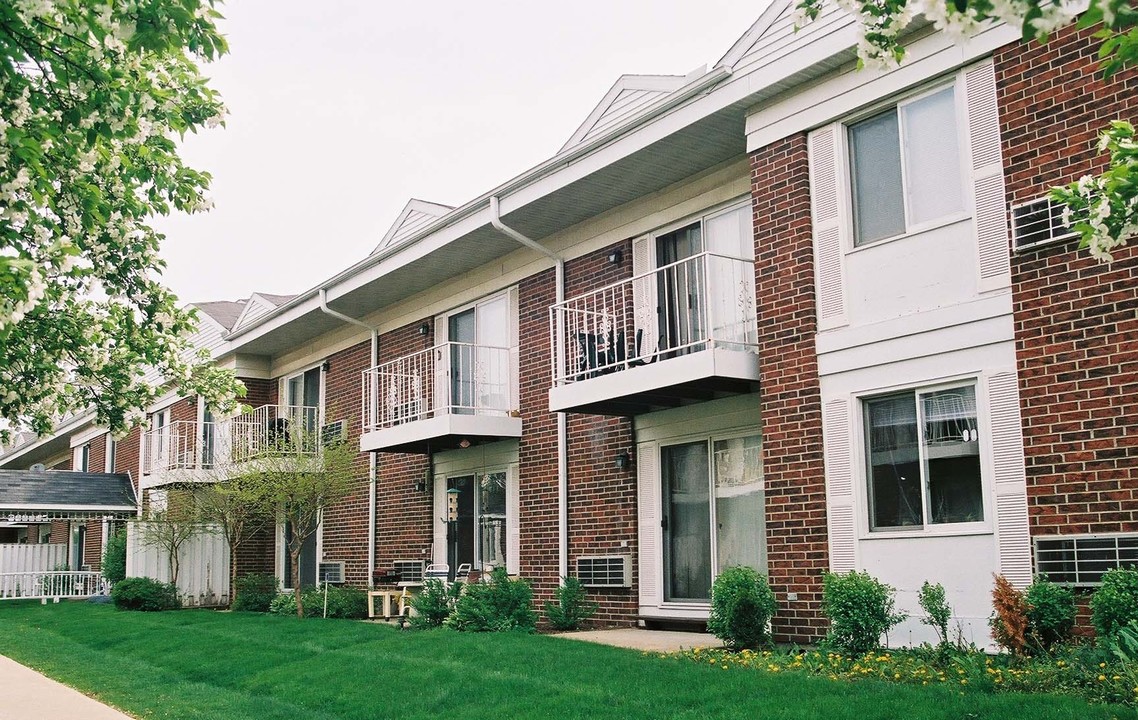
point(905, 166)
point(477, 368)
point(304, 397)
point(923, 458)
point(109, 456)
point(83, 458)
point(484, 531)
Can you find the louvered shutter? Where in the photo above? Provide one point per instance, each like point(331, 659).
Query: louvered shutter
point(839, 486)
point(515, 344)
point(829, 225)
point(440, 356)
point(513, 521)
point(989, 217)
point(644, 297)
point(648, 512)
point(438, 522)
point(1012, 535)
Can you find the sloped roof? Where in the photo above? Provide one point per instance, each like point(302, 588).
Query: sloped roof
point(416, 215)
point(61, 493)
point(628, 95)
point(225, 312)
point(778, 9)
point(259, 304)
point(276, 300)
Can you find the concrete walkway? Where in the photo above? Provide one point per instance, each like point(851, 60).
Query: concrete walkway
point(27, 695)
point(650, 640)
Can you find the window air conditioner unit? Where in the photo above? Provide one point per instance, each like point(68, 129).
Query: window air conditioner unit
point(605, 571)
point(1081, 560)
point(333, 432)
point(331, 572)
point(1038, 222)
point(409, 571)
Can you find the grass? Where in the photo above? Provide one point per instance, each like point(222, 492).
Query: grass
point(208, 665)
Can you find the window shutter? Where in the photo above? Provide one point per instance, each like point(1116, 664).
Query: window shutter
point(513, 521)
point(1012, 535)
point(644, 297)
point(648, 481)
point(439, 395)
point(829, 225)
point(989, 216)
point(439, 553)
point(839, 486)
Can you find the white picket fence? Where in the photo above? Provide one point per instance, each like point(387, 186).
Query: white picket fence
point(54, 584)
point(203, 566)
point(32, 558)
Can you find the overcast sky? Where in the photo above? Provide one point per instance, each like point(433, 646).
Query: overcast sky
point(340, 111)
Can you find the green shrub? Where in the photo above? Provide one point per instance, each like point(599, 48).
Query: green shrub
point(284, 604)
point(742, 605)
point(114, 557)
point(937, 611)
point(860, 609)
point(572, 607)
point(499, 605)
point(345, 602)
point(146, 594)
point(434, 604)
point(1115, 604)
point(1050, 614)
point(255, 592)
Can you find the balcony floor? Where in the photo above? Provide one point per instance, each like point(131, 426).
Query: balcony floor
point(444, 432)
point(667, 383)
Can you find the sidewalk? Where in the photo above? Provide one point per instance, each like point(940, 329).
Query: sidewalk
point(27, 695)
point(649, 640)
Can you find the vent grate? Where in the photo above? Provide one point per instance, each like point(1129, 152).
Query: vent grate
point(1038, 222)
point(605, 571)
point(1081, 560)
point(409, 571)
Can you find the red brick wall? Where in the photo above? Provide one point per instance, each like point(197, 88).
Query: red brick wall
point(258, 392)
point(346, 523)
point(791, 405)
point(60, 532)
point(126, 455)
point(93, 544)
point(602, 499)
point(1075, 318)
point(255, 555)
point(184, 409)
point(404, 529)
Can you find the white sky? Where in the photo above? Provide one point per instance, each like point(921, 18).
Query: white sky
point(341, 110)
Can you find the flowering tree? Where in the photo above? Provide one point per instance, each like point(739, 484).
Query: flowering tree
point(1102, 210)
point(92, 98)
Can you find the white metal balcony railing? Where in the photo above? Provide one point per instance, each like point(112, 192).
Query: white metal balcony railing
point(695, 304)
point(449, 379)
point(190, 445)
point(51, 584)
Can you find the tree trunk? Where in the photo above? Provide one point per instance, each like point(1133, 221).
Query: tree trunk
point(295, 555)
point(232, 573)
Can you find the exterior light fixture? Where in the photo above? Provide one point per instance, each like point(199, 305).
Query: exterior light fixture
point(464, 443)
point(326, 366)
point(424, 329)
point(616, 256)
point(622, 461)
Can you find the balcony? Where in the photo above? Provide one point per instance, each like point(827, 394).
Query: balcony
point(681, 334)
point(188, 451)
point(452, 395)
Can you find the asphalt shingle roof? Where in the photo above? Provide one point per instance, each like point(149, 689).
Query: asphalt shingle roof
point(56, 491)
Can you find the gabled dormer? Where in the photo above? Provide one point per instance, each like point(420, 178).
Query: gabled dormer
point(416, 215)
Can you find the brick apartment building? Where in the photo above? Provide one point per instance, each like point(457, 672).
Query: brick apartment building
point(778, 313)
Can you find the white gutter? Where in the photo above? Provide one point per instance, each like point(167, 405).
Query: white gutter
point(371, 460)
point(562, 424)
point(535, 174)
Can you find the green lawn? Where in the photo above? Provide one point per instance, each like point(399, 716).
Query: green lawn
point(201, 664)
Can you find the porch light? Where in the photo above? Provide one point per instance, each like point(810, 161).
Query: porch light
point(616, 256)
point(424, 329)
point(622, 461)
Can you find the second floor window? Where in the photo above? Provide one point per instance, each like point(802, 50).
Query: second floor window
point(905, 167)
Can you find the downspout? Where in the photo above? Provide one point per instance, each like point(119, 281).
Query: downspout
point(371, 459)
point(562, 425)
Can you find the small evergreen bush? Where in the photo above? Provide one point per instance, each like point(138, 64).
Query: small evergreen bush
point(572, 607)
point(255, 592)
point(1050, 614)
point(742, 605)
point(937, 611)
point(860, 609)
point(114, 557)
point(1115, 604)
point(434, 604)
point(499, 605)
point(145, 594)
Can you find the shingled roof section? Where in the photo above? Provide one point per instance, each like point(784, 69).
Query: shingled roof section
point(63, 493)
